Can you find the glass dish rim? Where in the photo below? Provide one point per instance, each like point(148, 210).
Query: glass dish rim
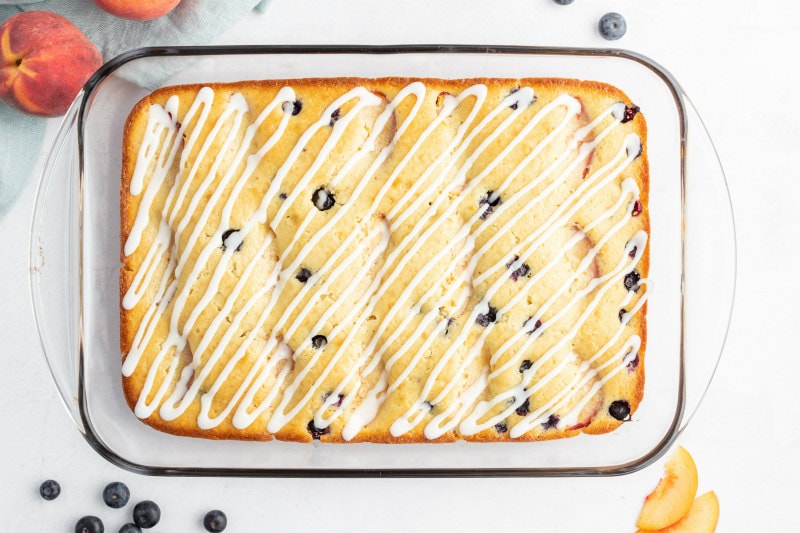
point(111, 66)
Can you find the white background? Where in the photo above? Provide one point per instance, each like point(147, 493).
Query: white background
point(736, 59)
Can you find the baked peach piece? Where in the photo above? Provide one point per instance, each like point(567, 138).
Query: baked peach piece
point(673, 496)
point(701, 518)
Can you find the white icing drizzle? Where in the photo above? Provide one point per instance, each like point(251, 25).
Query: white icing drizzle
point(194, 189)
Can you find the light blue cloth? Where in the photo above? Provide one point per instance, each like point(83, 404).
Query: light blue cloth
point(192, 22)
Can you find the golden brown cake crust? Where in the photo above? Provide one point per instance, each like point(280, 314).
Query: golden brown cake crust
point(428, 260)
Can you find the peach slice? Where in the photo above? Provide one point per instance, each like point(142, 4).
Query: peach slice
point(701, 518)
point(674, 494)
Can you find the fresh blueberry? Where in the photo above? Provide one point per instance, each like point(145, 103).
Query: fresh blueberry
point(551, 422)
point(484, 319)
point(228, 233)
point(50, 489)
point(303, 275)
point(89, 524)
point(116, 494)
point(215, 521)
point(323, 199)
point(631, 280)
point(526, 364)
point(130, 528)
point(316, 432)
point(525, 408)
point(612, 26)
point(491, 200)
point(319, 341)
point(501, 427)
point(619, 409)
point(563, 2)
point(146, 514)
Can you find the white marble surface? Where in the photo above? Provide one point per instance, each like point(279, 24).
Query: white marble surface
point(735, 59)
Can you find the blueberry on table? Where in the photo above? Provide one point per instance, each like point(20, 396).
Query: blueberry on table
point(146, 514)
point(50, 489)
point(215, 521)
point(612, 26)
point(130, 528)
point(116, 494)
point(89, 524)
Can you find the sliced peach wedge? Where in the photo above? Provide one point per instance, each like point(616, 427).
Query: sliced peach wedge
point(673, 496)
point(701, 518)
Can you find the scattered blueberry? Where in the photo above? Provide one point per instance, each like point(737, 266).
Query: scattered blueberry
point(215, 521)
point(526, 364)
point(519, 272)
point(632, 253)
point(551, 422)
point(323, 199)
point(515, 105)
point(501, 427)
point(303, 275)
point(319, 341)
point(335, 116)
point(316, 432)
point(619, 409)
point(637, 209)
point(622, 313)
point(146, 514)
point(536, 325)
point(50, 489)
point(484, 319)
point(491, 200)
point(630, 113)
point(631, 280)
point(525, 408)
point(563, 2)
point(116, 494)
point(633, 363)
point(89, 524)
point(130, 528)
point(225, 235)
point(339, 399)
point(612, 26)
point(292, 107)
point(283, 196)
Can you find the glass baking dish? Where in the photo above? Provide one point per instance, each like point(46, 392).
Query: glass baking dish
point(74, 259)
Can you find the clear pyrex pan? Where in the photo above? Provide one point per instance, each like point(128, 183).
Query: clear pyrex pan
point(75, 264)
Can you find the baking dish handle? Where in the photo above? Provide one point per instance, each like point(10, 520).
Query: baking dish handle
point(55, 262)
point(709, 262)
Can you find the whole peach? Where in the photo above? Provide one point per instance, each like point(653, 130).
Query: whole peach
point(140, 10)
point(44, 62)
